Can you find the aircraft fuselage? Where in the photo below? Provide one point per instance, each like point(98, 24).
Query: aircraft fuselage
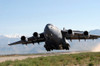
point(54, 38)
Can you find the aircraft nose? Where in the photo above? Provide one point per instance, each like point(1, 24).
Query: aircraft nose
point(48, 26)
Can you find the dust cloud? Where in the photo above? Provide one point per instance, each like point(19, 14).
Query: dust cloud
point(96, 48)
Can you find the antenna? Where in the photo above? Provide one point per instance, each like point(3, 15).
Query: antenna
point(64, 28)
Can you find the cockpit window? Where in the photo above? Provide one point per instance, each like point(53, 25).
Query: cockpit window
point(49, 24)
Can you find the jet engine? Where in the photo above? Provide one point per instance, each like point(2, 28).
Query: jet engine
point(41, 35)
point(23, 38)
point(70, 32)
point(35, 34)
point(86, 33)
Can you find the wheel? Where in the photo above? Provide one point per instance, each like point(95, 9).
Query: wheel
point(66, 46)
point(47, 48)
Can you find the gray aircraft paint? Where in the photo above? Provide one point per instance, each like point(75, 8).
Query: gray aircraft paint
point(53, 33)
point(55, 38)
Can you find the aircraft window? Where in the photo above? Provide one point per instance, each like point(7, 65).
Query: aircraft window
point(50, 26)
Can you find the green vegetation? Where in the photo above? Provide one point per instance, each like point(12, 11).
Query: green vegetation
point(81, 59)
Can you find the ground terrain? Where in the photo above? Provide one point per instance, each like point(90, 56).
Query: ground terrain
point(53, 59)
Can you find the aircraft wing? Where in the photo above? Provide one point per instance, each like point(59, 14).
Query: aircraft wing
point(33, 39)
point(78, 35)
point(19, 42)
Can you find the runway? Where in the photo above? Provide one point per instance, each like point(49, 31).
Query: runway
point(24, 56)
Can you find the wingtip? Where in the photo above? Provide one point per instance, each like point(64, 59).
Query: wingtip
point(9, 44)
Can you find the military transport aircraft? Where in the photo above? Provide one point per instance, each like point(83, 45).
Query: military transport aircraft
point(55, 38)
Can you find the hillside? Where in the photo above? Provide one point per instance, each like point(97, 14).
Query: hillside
point(80, 59)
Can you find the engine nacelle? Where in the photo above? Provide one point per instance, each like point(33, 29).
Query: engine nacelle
point(35, 34)
point(70, 32)
point(23, 38)
point(86, 33)
point(41, 35)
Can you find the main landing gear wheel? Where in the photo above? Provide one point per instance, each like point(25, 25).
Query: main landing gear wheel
point(47, 47)
point(67, 46)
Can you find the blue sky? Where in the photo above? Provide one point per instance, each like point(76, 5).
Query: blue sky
point(27, 16)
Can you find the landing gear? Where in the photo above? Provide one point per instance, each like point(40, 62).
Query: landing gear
point(66, 46)
point(59, 47)
point(47, 47)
